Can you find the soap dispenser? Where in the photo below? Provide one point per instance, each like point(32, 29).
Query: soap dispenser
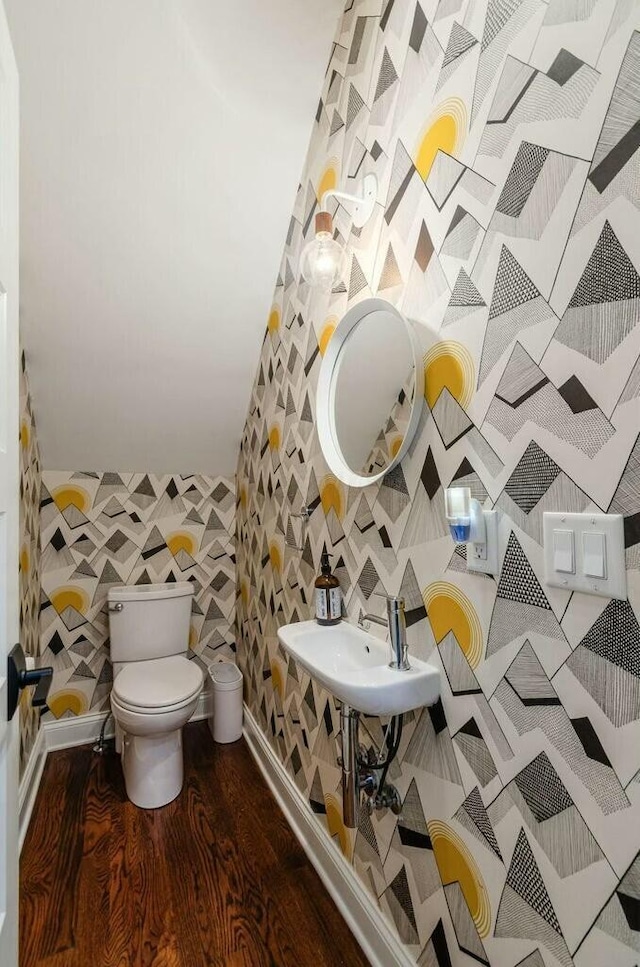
point(328, 594)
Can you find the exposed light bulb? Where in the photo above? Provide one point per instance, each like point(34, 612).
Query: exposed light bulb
point(323, 260)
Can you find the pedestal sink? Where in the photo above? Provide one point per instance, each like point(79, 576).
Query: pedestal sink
point(354, 666)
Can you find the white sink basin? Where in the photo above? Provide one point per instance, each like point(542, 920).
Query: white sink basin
point(354, 666)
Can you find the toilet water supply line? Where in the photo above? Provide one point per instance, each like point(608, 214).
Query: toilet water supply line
point(100, 746)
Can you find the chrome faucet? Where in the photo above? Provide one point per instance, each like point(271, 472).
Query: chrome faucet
point(397, 626)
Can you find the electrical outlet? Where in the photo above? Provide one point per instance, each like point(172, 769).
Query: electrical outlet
point(478, 551)
point(484, 557)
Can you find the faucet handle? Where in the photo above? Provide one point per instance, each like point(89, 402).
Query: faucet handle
point(391, 599)
point(396, 599)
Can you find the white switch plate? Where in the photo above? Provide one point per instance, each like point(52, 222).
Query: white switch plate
point(614, 585)
point(488, 564)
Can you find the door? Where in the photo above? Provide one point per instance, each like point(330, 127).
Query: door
point(9, 484)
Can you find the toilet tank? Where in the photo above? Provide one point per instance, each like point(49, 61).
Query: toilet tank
point(149, 621)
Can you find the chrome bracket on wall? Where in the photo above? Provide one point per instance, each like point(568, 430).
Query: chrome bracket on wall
point(304, 516)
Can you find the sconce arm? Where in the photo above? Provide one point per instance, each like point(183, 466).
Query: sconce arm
point(341, 196)
point(362, 205)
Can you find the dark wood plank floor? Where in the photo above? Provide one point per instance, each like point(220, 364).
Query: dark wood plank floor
point(215, 879)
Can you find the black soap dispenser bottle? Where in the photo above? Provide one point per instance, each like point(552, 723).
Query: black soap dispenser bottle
point(328, 594)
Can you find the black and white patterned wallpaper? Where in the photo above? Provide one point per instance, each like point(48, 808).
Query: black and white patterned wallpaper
point(505, 136)
point(100, 530)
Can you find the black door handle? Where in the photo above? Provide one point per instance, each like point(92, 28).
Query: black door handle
point(19, 677)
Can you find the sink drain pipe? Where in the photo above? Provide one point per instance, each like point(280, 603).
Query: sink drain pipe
point(349, 721)
point(360, 774)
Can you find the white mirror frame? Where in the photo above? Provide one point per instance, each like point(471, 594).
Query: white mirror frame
point(325, 397)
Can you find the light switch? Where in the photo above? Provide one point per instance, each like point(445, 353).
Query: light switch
point(563, 558)
point(594, 545)
point(585, 552)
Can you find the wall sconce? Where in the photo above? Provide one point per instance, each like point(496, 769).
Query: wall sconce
point(471, 525)
point(324, 260)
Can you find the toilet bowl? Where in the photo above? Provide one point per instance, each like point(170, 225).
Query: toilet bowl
point(151, 702)
point(155, 687)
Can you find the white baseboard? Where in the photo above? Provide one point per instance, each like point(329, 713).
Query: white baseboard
point(83, 729)
point(380, 943)
point(30, 783)
point(204, 708)
point(76, 730)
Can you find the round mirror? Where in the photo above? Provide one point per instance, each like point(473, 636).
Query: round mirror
point(370, 392)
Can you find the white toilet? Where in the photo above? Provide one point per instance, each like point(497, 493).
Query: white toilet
point(155, 686)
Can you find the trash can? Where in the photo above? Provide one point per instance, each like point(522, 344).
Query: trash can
point(226, 681)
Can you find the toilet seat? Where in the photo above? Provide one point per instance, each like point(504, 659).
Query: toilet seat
point(117, 703)
point(158, 685)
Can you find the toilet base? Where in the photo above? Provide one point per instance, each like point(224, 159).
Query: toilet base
point(152, 767)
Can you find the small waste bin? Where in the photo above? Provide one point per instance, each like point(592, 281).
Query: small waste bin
point(226, 722)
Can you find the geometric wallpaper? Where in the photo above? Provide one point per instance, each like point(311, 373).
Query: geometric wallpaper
point(505, 137)
point(99, 530)
point(29, 561)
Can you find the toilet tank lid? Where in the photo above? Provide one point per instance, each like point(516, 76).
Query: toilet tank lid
point(151, 592)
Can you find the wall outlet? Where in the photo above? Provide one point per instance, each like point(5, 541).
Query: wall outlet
point(478, 552)
point(484, 557)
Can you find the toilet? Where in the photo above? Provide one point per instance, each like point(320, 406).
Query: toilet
point(155, 686)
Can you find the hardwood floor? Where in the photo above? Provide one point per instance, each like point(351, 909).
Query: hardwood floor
point(215, 879)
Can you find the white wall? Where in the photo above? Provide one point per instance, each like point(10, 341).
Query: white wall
point(162, 143)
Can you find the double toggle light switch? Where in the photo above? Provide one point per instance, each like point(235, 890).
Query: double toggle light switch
point(585, 552)
point(594, 553)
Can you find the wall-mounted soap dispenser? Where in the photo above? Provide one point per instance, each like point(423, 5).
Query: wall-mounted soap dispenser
point(471, 525)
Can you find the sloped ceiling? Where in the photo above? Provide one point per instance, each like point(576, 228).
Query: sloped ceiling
point(162, 143)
